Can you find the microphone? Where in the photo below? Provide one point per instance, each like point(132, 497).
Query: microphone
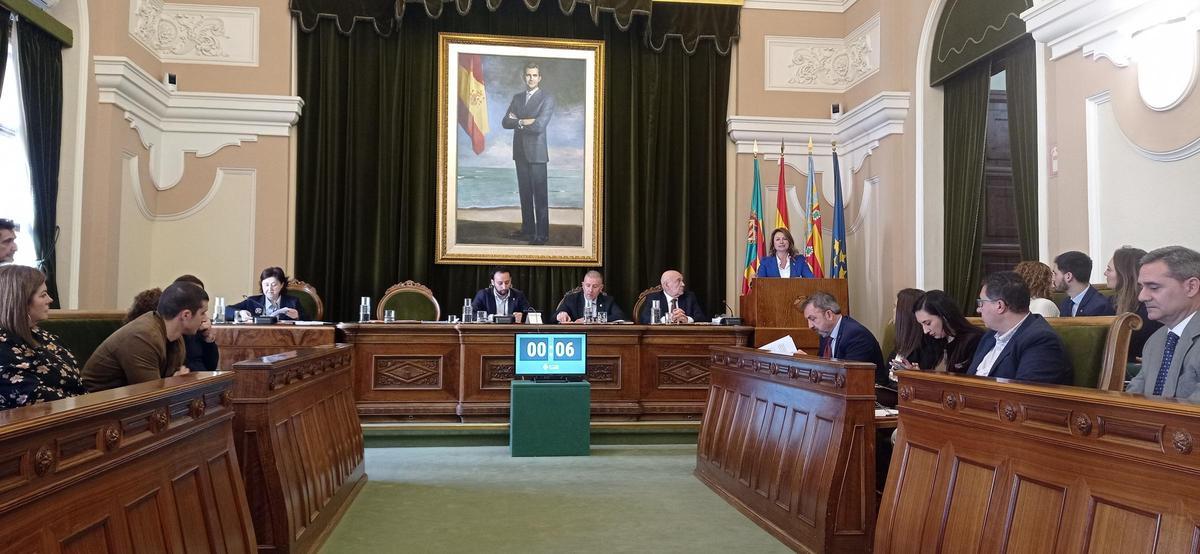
point(729, 320)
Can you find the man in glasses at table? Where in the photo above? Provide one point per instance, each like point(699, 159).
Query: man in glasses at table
point(1018, 345)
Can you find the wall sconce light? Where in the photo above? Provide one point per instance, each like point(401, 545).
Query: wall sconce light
point(1165, 57)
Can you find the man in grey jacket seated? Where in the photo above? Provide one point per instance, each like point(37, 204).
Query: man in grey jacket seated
point(1170, 281)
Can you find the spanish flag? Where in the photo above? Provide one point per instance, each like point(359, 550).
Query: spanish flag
point(472, 100)
point(781, 206)
point(814, 252)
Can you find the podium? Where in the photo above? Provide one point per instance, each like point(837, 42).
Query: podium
point(550, 419)
point(772, 307)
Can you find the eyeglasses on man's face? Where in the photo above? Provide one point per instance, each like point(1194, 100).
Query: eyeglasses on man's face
point(979, 302)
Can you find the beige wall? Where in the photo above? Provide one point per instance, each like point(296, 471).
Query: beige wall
point(886, 205)
point(226, 218)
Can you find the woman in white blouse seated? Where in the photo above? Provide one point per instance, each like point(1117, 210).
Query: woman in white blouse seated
point(1039, 277)
point(785, 261)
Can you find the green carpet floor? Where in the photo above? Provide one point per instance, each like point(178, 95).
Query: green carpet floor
point(627, 498)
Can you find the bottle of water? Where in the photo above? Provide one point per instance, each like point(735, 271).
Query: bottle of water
point(219, 310)
point(468, 314)
point(589, 313)
point(655, 313)
point(364, 310)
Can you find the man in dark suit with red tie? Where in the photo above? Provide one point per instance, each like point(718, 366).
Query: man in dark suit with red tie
point(528, 116)
point(842, 337)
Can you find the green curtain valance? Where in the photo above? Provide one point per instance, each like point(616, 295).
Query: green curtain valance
point(689, 23)
point(969, 30)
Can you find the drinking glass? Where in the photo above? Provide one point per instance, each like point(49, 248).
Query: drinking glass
point(481, 316)
point(389, 316)
point(602, 317)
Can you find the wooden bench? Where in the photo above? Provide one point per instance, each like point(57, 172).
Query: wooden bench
point(790, 442)
point(143, 468)
point(986, 465)
point(300, 443)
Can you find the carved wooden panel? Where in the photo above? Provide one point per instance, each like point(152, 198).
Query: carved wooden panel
point(301, 442)
point(407, 372)
point(498, 372)
point(797, 459)
point(1049, 469)
point(683, 372)
point(174, 489)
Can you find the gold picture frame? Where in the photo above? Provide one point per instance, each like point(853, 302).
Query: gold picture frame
point(520, 150)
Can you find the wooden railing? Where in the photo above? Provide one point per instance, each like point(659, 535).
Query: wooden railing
point(985, 465)
point(143, 468)
point(298, 437)
point(790, 442)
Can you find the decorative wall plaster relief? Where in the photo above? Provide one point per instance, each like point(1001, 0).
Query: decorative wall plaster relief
point(191, 33)
point(858, 133)
point(823, 64)
point(172, 123)
point(834, 6)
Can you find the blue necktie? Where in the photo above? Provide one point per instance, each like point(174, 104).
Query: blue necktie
point(1168, 355)
point(1071, 306)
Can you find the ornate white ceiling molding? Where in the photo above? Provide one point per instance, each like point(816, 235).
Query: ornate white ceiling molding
point(822, 64)
point(173, 123)
point(857, 133)
point(1101, 28)
point(834, 6)
point(193, 33)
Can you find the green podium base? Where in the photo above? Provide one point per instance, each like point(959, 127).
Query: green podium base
point(550, 419)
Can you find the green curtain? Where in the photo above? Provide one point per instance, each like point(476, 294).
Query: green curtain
point(367, 172)
point(40, 60)
point(1021, 83)
point(966, 115)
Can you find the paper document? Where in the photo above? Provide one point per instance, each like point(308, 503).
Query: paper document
point(309, 323)
point(885, 412)
point(785, 346)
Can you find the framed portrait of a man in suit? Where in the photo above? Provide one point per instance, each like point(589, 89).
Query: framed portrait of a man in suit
point(520, 157)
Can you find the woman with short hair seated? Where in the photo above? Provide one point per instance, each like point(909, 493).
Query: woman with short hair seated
point(272, 302)
point(34, 366)
point(784, 261)
point(956, 338)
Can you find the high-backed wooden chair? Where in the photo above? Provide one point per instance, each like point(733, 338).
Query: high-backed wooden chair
point(637, 306)
point(410, 300)
point(564, 298)
point(314, 308)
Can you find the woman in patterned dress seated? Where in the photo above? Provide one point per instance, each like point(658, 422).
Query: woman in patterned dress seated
point(34, 367)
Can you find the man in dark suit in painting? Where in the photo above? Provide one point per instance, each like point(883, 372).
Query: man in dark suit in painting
point(528, 116)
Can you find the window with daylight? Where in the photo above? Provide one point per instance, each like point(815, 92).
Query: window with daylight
point(15, 187)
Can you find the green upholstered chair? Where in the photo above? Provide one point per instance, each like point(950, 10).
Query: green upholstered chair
point(637, 306)
point(1098, 347)
point(310, 301)
point(82, 331)
point(888, 344)
point(410, 300)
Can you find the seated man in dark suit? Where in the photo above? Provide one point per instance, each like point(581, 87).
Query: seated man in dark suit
point(573, 305)
point(1019, 345)
point(1073, 275)
point(1170, 283)
point(842, 337)
point(501, 298)
point(678, 304)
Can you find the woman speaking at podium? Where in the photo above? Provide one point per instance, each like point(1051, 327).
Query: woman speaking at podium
point(786, 261)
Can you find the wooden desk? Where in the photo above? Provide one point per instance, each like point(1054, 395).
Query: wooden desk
point(982, 465)
point(461, 372)
point(300, 443)
point(790, 442)
point(148, 467)
point(244, 342)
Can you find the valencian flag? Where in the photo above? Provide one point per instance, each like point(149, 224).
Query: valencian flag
point(756, 245)
point(472, 101)
point(781, 207)
point(813, 251)
point(837, 255)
